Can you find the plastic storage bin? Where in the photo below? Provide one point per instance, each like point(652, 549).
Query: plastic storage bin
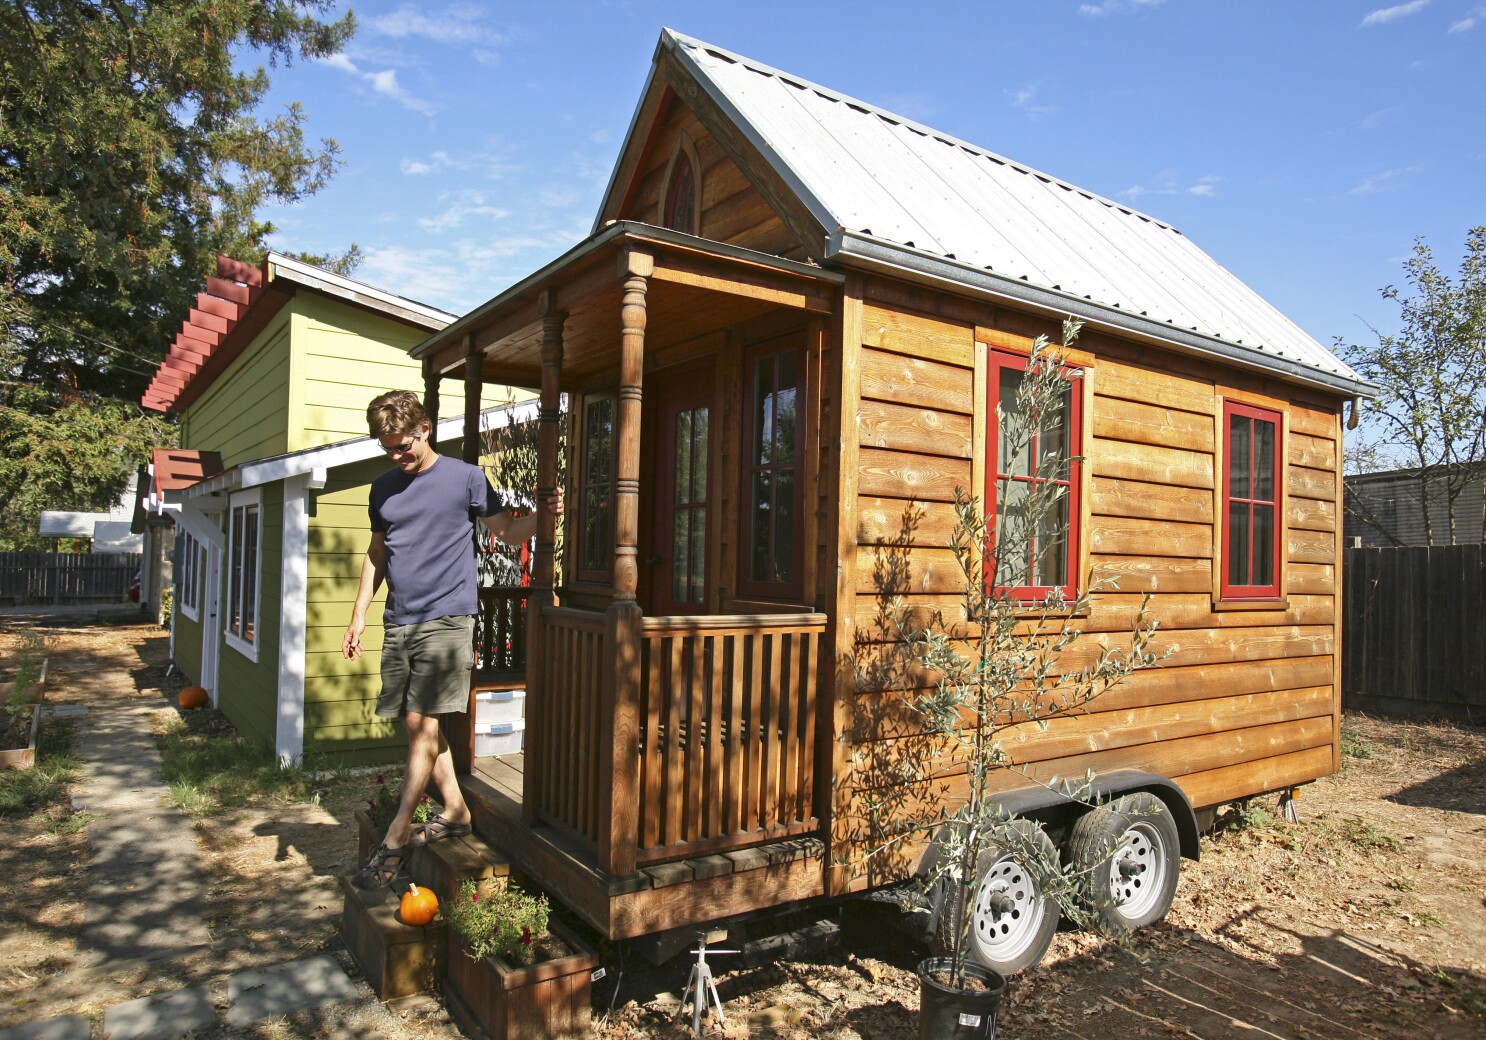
point(498, 738)
point(500, 706)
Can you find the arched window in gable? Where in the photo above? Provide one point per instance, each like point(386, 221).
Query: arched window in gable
point(681, 204)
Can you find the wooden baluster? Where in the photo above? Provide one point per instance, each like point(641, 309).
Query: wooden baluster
point(619, 818)
point(539, 717)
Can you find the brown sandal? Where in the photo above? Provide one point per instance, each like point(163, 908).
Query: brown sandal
point(378, 873)
point(437, 829)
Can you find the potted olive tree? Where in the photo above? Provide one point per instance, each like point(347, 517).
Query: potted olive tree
point(1000, 662)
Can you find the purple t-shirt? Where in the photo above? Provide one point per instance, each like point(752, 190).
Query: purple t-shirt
point(429, 522)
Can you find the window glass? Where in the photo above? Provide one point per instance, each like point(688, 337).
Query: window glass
point(597, 492)
point(774, 396)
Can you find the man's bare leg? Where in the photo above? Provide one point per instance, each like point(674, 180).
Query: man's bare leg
point(425, 745)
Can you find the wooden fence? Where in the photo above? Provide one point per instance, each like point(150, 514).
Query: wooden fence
point(43, 577)
point(1414, 636)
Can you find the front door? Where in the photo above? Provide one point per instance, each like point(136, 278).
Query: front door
point(211, 629)
point(675, 549)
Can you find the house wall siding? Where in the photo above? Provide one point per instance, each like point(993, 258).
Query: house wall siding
point(245, 413)
point(342, 358)
point(1247, 702)
point(732, 210)
point(1388, 509)
point(247, 690)
point(340, 695)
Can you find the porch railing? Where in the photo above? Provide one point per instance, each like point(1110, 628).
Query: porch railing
point(500, 631)
point(726, 726)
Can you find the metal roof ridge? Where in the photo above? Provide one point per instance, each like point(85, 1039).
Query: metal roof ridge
point(676, 38)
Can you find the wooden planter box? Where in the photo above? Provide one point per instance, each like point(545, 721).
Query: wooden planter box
point(397, 959)
point(367, 837)
point(32, 694)
point(490, 1000)
point(23, 758)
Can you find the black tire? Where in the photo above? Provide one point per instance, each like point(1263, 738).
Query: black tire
point(1013, 919)
point(1130, 853)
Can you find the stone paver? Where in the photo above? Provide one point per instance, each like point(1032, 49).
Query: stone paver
point(63, 1027)
point(160, 1017)
point(146, 887)
point(268, 992)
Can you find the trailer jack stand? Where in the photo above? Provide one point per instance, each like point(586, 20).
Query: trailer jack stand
point(1287, 807)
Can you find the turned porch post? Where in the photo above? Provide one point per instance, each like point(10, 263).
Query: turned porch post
point(619, 721)
point(473, 384)
point(544, 562)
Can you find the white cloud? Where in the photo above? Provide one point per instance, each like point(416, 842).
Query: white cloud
point(495, 162)
point(1384, 15)
point(1025, 99)
point(1380, 182)
point(1116, 7)
point(1469, 22)
point(1382, 115)
point(457, 25)
point(1170, 182)
point(383, 82)
point(463, 205)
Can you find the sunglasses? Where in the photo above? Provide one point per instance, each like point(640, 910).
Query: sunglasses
point(400, 449)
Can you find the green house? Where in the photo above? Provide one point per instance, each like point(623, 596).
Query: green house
point(270, 377)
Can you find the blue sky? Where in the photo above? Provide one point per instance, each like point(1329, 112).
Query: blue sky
point(1301, 143)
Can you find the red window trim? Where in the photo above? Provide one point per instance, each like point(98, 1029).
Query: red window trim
point(1231, 590)
point(996, 362)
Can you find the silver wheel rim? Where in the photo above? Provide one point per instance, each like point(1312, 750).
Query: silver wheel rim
point(1137, 871)
point(1008, 911)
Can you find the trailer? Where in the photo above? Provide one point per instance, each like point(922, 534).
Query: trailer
point(783, 348)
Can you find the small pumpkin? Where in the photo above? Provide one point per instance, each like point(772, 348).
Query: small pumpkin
point(194, 697)
point(418, 906)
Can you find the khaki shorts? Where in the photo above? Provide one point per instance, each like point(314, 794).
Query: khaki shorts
point(426, 667)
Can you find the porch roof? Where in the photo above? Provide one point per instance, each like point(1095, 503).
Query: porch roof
point(697, 286)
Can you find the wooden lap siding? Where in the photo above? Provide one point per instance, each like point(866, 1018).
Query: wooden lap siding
point(340, 695)
point(247, 691)
point(1247, 701)
point(732, 209)
point(245, 413)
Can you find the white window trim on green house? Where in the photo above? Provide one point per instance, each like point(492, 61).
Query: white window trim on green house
point(241, 627)
point(189, 582)
point(301, 473)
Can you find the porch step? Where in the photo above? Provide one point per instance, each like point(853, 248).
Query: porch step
point(397, 959)
point(445, 865)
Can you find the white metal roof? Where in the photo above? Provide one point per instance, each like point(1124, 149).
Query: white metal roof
point(878, 176)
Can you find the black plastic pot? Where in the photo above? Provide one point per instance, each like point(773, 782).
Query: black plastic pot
point(946, 1013)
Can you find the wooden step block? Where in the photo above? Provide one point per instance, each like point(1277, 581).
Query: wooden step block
point(445, 865)
point(397, 959)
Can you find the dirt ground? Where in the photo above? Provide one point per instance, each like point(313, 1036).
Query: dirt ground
point(1365, 920)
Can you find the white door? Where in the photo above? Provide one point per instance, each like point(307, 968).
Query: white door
point(211, 627)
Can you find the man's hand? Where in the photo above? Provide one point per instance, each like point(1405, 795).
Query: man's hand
point(351, 645)
point(554, 502)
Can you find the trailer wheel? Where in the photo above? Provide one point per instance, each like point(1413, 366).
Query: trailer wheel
point(1012, 918)
point(1131, 854)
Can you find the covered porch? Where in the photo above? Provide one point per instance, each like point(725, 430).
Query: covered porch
point(674, 710)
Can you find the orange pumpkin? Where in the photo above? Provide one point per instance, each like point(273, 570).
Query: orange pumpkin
point(418, 906)
point(194, 697)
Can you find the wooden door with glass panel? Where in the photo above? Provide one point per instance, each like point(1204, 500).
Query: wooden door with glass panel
point(680, 463)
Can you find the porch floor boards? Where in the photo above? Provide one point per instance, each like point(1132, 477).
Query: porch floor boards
point(568, 867)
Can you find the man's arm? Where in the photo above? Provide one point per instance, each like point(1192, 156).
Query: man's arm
point(514, 530)
point(373, 570)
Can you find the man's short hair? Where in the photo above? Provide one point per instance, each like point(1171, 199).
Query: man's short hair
point(394, 413)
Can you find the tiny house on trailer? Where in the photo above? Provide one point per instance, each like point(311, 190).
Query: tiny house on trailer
point(789, 330)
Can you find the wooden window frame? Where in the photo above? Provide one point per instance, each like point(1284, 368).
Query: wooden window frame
point(996, 360)
point(683, 155)
point(605, 574)
point(188, 582)
point(1229, 592)
point(791, 591)
point(241, 630)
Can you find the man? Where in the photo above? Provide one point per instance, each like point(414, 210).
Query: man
point(423, 544)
